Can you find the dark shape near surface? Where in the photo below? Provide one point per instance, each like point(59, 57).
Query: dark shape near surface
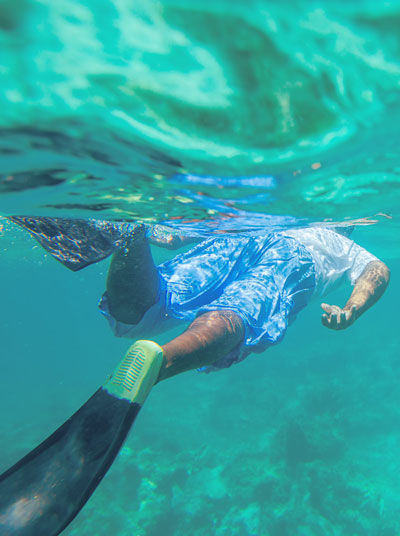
point(45, 490)
point(76, 243)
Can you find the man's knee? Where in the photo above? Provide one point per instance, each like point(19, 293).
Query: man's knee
point(132, 282)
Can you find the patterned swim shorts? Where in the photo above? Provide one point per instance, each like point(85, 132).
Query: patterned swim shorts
point(265, 280)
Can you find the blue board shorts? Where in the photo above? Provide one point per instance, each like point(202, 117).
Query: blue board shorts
point(265, 280)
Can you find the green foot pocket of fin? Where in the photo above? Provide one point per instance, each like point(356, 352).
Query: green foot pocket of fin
point(137, 372)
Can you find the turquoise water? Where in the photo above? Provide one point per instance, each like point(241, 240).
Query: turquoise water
point(102, 104)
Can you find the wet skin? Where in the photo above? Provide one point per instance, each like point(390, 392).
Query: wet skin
point(368, 289)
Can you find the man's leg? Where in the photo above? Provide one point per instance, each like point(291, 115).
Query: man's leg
point(210, 336)
point(132, 282)
point(132, 288)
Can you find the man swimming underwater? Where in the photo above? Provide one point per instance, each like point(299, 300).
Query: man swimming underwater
point(239, 294)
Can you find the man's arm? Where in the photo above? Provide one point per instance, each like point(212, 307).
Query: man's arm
point(165, 237)
point(368, 289)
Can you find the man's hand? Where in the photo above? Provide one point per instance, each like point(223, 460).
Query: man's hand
point(337, 318)
point(368, 289)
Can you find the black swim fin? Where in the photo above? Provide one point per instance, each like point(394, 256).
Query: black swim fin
point(45, 490)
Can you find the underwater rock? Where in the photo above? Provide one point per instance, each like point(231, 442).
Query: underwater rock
point(298, 448)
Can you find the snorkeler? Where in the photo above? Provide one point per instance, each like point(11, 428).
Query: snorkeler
point(238, 294)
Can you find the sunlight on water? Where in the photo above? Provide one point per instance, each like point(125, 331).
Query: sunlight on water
point(106, 101)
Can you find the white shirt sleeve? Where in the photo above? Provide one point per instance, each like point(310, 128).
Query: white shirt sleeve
point(336, 257)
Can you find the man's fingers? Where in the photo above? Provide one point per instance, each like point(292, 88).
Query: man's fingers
point(327, 308)
point(333, 321)
point(331, 309)
point(325, 320)
point(335, 317)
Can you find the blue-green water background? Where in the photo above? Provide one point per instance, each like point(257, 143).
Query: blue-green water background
point(101, 104)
